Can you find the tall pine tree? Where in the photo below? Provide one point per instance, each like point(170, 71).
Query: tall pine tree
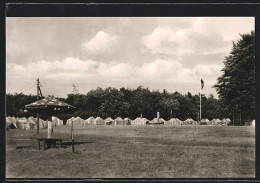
point(236, 87)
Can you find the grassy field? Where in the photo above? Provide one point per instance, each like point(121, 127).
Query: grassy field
point(134, 152)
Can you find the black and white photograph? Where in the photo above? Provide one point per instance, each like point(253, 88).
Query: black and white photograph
point(130, 97)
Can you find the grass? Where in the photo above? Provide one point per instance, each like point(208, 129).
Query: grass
point(134, 152)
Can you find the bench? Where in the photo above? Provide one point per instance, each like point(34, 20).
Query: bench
point(50, 142)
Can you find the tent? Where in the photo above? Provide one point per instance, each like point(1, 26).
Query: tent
point(214, 121)
point(189, 121)
point(204, 121)
point(155, 121)
point(225, 121)
point(11, 122)
point(42, 123)
point(78, 121)
point(118, 121)
point(56, 121)
point(32, 123)
point(69, 121)
point(22, 123)
point(253, 122)
point(109, 121)
point(140, 121)
point(127, 121)
point(173, 121)
point(169, 122)
point(90, 121)
point(99, 121)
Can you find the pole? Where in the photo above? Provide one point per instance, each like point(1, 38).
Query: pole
point(37, 122)
point(200, 102)
point(72, 136)
point(233, 118)
point(158, 116)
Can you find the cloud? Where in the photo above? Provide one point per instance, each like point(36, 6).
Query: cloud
point(102, 43)
point(204, 36)
point(159, 70)
point(89, 74)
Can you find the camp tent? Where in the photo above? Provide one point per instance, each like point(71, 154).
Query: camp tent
point(179, 122)
point(156, 121)
point(127, 121)
point(56, 121)
point(213, 121)
point(22, 123)
point(32, 123)
point(99, 121)
point(109, 121)
point(11, 122)
point(118, 121)
point(189, 121)
point(173, 121)
point(225, 121)
point(7, 122)
point(43, 123)
point(253, 122)
point(140, 121)
point(169, 122)
point(78, 121)
point(69, 121)
point(205, 120)
point(90, 121)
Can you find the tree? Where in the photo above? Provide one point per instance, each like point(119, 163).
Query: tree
point(113, 104)
point(236, 87)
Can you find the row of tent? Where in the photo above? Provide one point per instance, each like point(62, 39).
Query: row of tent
point(142, 121)
point(30, 123)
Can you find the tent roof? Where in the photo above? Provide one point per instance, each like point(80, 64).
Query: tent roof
point(108, 119)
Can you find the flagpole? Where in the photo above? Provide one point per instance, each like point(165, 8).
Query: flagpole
point(200, 101)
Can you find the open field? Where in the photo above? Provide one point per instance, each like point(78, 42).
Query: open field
point(134, 152)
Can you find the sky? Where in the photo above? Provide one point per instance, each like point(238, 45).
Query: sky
point(171, 53)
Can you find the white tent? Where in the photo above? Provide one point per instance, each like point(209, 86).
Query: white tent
point(99, 121)
point(253, 122)
point(225, 121)
point(118, 121)
point(189, 121)
point(22, 123)
point(205, 120)
point(32, 123)
point(56, 121)
point(109, 121)
point(173, 121)
point(69, 121)
point(44, 123)
point(156, 121)
point(90, 121)
point(140, 121)
point(127, 121)
point(11, 122)
point(213, 121)
point(78, 121)
point(218, 120)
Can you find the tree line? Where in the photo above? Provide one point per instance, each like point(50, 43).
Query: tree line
point(125, 102)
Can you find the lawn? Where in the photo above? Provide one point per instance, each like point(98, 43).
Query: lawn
point(134, 152)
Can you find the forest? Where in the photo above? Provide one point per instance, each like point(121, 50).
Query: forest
point(125, 102)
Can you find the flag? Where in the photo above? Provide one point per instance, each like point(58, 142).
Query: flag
point(202, 83)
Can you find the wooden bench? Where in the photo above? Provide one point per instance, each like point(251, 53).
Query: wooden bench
point(50, 142)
